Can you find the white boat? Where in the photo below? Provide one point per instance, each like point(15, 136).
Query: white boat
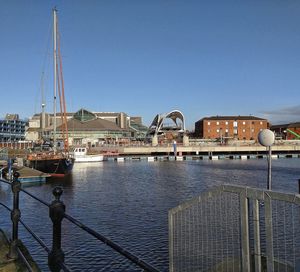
point(80, 155)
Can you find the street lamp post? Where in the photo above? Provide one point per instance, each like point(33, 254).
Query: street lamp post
point(266, 138)
point(221, 136)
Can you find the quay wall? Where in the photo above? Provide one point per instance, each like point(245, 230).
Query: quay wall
point(195, 150)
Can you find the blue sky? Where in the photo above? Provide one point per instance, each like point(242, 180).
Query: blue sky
point(146, 57)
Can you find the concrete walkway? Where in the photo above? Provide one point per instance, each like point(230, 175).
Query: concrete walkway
point(8, 265)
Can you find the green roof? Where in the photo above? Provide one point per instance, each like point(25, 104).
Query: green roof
point(84, 115)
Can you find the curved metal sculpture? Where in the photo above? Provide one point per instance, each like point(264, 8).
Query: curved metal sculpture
point(159, 126)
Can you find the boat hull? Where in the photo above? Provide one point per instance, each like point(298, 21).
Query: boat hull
point(88, 158)
point(53, 167)
point(80, 154)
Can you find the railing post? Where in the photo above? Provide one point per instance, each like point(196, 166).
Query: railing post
point(56, 213)
point(256, 232)
point(269, 233)
point(15, 217)
point(244, 217)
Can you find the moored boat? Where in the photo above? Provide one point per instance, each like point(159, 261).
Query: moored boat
point(81, 155)
point(54, 164)
point(47, 157)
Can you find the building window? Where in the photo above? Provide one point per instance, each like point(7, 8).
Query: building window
point(77, 141)
point(244, 123)
point(235, 124)
point(208, 123)
point(252, 129)
point(226, 123)
point(218, 123)
point(261, 122)
point(226, 130)
point(208, 130)
point(244, 130)
point(218, 130)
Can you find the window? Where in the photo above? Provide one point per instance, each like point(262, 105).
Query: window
point(208, 130)
point(252, 129)
point(226, 130)
point(218, 123)
point(244, 130)
point(244, 123)
point(218, 130)
point(235, 124)
point(226, 123)
point(261, 122)
point(77, 141)
point(208, 123)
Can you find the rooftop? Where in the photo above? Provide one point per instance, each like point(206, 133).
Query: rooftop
point(236, 117)
point(97, 124)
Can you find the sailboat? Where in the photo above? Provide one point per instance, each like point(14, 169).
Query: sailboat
point(47, 158)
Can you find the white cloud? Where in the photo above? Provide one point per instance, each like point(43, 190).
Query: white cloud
point(283, 115)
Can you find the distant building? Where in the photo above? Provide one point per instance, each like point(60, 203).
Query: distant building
point(280, 131)
point(293, 131)
point(12, 129)
point(86, 127)
point(287, 131)
point(138, 130)
point(230, 127)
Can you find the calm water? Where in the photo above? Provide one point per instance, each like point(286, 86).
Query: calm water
point(129, 202)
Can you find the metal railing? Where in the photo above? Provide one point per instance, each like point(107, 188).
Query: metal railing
point(57, 213)
point(235, 228)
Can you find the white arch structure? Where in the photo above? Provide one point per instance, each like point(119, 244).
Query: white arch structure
point(158, 125)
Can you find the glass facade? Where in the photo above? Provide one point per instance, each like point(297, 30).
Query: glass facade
point(12, 130)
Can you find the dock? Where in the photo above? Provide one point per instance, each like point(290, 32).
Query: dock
point(196, 157)
point(27, 175)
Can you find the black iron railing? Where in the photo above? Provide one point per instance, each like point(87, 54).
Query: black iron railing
point(57, 213)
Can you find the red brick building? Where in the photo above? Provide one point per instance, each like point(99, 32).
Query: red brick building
point(230, 127)
point(293, 131)
point(287, 131)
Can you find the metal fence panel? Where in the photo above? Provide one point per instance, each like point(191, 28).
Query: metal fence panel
point(234, 228)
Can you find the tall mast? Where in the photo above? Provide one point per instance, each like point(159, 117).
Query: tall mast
point(54, 75)
point(43, 108)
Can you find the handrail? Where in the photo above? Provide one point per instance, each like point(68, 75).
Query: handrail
point(3, 205)
point(25, 260)
point(42, 244)
point(36, 198)
point(113, 245)
point(14, 251)
point(5, 181)
point(57, 213)
point(19, 251)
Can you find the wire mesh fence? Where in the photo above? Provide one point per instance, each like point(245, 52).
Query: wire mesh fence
point(233, 228)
